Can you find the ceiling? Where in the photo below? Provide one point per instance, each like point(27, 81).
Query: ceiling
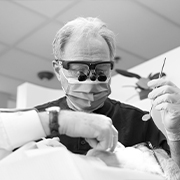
point(144, 29)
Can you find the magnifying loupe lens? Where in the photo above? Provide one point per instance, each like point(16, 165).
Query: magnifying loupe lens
point(93, 77)
point(82, 77)
point(102, 77)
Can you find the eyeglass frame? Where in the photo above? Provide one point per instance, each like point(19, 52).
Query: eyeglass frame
point(90, 64)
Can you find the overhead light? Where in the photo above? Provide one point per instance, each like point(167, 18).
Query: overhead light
point(45, 75)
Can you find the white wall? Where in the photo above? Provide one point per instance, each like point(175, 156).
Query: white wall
point(30, 95)
point(171, 68)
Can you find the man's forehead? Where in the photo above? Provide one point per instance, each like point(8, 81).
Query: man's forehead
point(86, 49)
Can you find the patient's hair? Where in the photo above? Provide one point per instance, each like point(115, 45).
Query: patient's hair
point(141, 158)
point(170, 168)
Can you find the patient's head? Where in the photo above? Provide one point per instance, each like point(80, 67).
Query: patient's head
point(139, 157)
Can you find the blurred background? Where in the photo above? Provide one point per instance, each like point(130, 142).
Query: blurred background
point(144, 29)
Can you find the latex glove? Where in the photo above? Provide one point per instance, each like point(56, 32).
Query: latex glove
point(166, 98)
point(94, 152)
point(96, 129)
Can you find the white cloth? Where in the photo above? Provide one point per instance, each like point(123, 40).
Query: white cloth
point(19, 127)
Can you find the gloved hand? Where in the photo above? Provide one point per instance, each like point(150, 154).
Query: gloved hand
point(166, 98)
point(96, 129)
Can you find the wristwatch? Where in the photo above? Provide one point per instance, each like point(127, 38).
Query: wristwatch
point(53, 120)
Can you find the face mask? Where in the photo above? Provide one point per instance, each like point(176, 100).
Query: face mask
point(85, 95)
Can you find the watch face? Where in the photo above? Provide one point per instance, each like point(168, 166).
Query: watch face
point(53, 108)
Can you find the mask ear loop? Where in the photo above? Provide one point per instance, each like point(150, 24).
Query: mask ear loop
point(62, 74)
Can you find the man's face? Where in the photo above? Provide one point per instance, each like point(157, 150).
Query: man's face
point(92, 49)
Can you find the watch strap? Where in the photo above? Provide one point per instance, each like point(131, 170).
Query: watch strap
point(53, 120)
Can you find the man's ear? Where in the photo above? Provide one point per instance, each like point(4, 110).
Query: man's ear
point(56, 68)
